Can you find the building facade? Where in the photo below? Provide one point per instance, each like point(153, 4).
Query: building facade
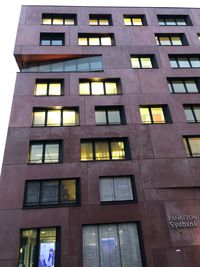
point(101, 165)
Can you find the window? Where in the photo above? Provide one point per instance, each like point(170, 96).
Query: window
point(105, 149)
point(181, 86)
point(39, 247)
point(184, 61)
point(134, 20)
point(192, 113)
point(53, 39)
point(55, 116)
point(51, 192)
point(198, 35)
point(110, 115)
point(99, 87)
point(45, 152)
point(59, 19)
point(174, 20)
point(192, 145)
point(155, 114)
point(143, 62)
point(170, 40)
point(48, 87)
point(118, 188)
point(96, 39)
point(109, 245)
point(100, 20)
point(78, 64)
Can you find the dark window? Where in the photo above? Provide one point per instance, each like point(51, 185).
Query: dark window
point(135, 20)
point(143, 62)
point(48, 87)
point(39, 247)
point(51, 192)
point(174, 20)
point(184, 85)
point(78, 64)
point(184, 61)
point(100, 87)
point(192, 145)
point(112, 244)
point(109, 115)
point(171, 39)
point(117, 189)
point(105, 149)
point(155, 114)
point(59, 19)
point(192, 113)
point(55, 116)
point(53, 39)
point(100, 20)
point(99, 39)
point(45, 152)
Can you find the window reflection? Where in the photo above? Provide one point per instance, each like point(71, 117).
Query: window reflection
point(192, 146)
point(98, 88)
point(154, 114)
point(101, 151)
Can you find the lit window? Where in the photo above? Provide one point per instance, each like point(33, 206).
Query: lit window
point(187, 85)
point(173, 20)
point(113, 244)
point(184, 61)
point(52, 39)
point(192, 146)
point(51, 192)
point(130, 20)
point(100, 20)
point(55, 117)
point(48, 87)
point(142, 62)
point(45, 152)
point(106, 87)
point(96, 39)
point(171, 40)
point(104, 149)
point(155, 114)
point(59, 19)
point(118, 188)
point(109, 115)
point(39, 246)
point(192, 113)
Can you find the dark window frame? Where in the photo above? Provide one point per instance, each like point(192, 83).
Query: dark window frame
point(44, 143)
point(99, 36)
point(48, 82)
point(133, 187)
point(99, 17)
point(37, 247)
point(187, 137)
point(62, 16)
point(136, 16)
point(51, 37)
point(183, 80)
point(192, 106)
point(125, 140)
point(111, 108)
point(152, 58)
point(41, 205)
point(166, 113)
point(175, 17)
point(188, 57)
point(170, 36)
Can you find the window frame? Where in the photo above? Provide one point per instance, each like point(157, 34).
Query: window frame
point(165, 110)
point(52, 36)
point(87, 36)
point(44, 143)
point(186, 138)
point(48, 82)
point(188, 57)
point(135, 16)
point(37, 246)
point(62, 16)
point(100, 17)
point(175, 17)
point(192, 106)
point(170, 37)
point(127, 150)
point(183, 80)
point(133, 187)
point(57, 205)
point(139, 57)
point(111, 108)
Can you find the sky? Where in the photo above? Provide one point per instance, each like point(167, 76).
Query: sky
point(10, 11)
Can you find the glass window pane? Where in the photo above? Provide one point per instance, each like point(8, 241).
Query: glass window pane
point(100, 117)
point(49, 192)
point(68, 191)
point(189, 115)
point(39, 118)
point(170, 22)
point(69, 22)
point(57, 42)
point(86, 151)
point(41, 89)
point(135, 63)
point(127, 21)
point(183, 62)
point(97, 88)
point(106, 41)
point(197, 113)
point(123, 188)
point(57, 21)
point(84, 88)
point(186, 147)
point(93, 22)
point(111, 88)
point(191, 86)
point(195, 62)
point(107, 192)
point(176, 40)
point(114, 117)
point(70, 117)
point(181, 22)
point(54, 118)
point(146, 62)
point(173, 63)
point(32, 193)
point(94, 41)
point(158, 115)
point(36, 153)
point(51, 153)
point(83, 64)
point(82, 41)
point(117, 150)
point(55, 89)
point(45, 42)
point(164, 40)
point(161, 22)
point(195, 146)
point(90, 246)
point(178, 86)
point(102, 150)
point(47, 248)
point(103, 22)
point(95, 64)
point(137, 21)
point(46, 21)
point(145, 115)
